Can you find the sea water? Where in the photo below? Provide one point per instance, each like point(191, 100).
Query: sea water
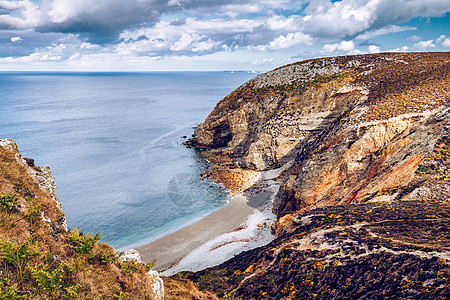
point(114, 143)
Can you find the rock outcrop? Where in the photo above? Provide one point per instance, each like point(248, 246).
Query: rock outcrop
point(355, 126)
point(132, 255)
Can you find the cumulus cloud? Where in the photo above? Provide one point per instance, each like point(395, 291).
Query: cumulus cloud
point(189, 35)
point(344, 46)
point(197, 36)
point(18, 15)
point(100, 20)
point(104, 20)
point(287, 41)
point(440, 39)
point(414, 38)
point(373, 49)
point(446, 43)
point(424, 45)
point(348, 18)
point(16, 39)
point(160, 28)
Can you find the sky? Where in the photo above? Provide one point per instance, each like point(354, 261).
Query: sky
point(210, 35)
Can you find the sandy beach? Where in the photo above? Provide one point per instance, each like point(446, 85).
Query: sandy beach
point(221, 225)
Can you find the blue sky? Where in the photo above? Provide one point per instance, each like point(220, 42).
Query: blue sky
point(183, 35)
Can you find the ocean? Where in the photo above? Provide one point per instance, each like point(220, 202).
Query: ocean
point(114, 144)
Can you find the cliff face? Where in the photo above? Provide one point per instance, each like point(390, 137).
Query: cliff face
point(356, 128)
point(363, 205)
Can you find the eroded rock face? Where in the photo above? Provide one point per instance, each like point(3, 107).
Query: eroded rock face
point(357, 128)
point(356, 162)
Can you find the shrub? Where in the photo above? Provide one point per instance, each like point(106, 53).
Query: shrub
point(8, 202)
point(82, 244)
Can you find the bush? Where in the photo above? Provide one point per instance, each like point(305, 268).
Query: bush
point(8, 202)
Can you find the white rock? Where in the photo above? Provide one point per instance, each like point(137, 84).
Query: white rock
point(130, 255)
point(44, 218)
point(158, 285)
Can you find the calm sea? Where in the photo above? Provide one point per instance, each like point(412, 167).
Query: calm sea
point(114, 143)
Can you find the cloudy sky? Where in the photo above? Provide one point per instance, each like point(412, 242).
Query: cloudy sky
point(152, 35)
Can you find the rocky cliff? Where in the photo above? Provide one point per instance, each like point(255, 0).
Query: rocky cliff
point(363, 205)
point(354, 126)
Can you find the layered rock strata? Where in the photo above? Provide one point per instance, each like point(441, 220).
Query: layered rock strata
point(353, 126)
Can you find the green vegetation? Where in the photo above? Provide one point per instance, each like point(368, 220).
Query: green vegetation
point(9, 202)
point(33, 212)
point(422, 169)
point(40, 260)
point(82, 244)
point(16, 255)
point(49, 280)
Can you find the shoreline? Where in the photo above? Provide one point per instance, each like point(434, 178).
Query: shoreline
point(243, 224)
point(171, 250)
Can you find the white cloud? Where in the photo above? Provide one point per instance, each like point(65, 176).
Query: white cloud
point(18, 14)
point(344, 46)
point(446, 43)
point(190, 35)
point(16, 39)
point(373, 49)
point(277, 23)
point(287, 41)
point(402, 49)
point(425, 45)
point(348, 18)
point(383, 31)
point(85, 45)
point(339, 19)
point(440, 39)
point(414, 38)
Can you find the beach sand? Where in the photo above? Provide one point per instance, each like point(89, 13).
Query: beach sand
point(170, 250)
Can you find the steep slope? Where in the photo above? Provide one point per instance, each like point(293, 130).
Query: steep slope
point(353, 126)
point(363, 207)
point(397, 250)
point(40, 259)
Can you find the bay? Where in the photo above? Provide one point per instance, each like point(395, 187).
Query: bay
point(114, 143)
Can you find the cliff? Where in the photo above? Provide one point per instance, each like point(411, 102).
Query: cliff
point(41, 259)
point(363, 204)
point(354, 127)
point(17, 175)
